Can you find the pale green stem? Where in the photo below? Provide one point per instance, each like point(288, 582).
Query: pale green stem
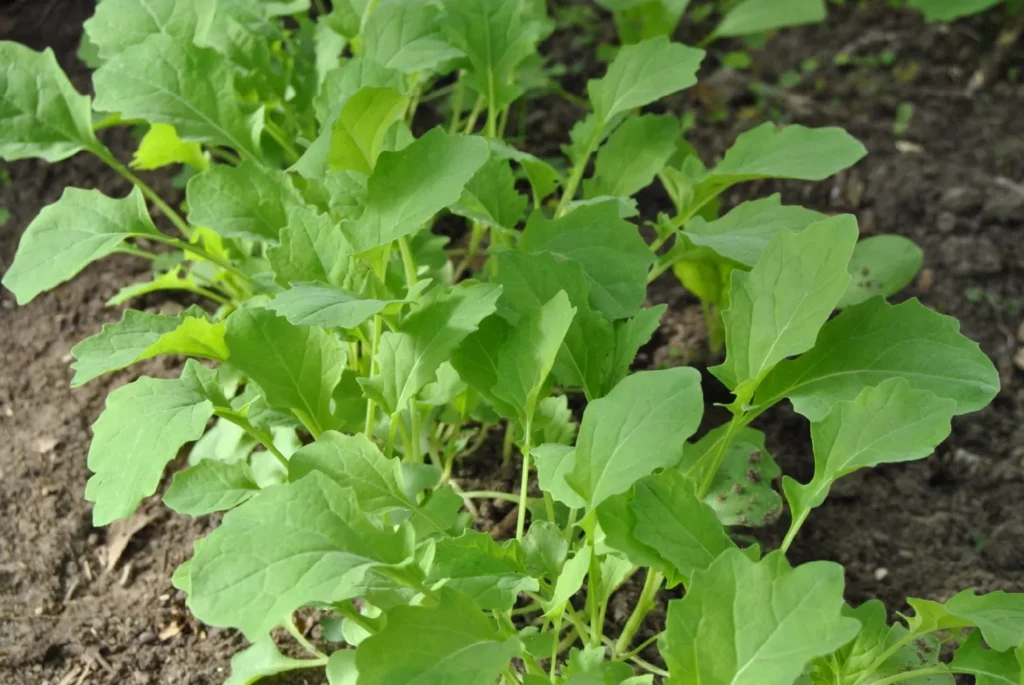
point(301, 639)
point(576, 175)
point(718, 455)
point(524, 483)
point(644, 604)
point(794, 528)
point(408, 262)
point(474, 114)
point(593, 585)
point(263, 438)
point(371, 406)
point(168, 211)
point(491, 494)
point(458, 98)
point(278, 134)
point(920, 673)
point(475, 238)
point(196, 250)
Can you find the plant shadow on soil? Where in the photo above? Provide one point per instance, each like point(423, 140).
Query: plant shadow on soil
point(954, 183)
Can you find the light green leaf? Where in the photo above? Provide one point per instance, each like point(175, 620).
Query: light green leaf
point(341, 668)
point(405, 35)
point(476, 360)
point(998, 615)
point(326, 306)
point(748, 623)
point(210, 486)
point(490, 197)
point(873, 341)
point(323, 546)
point(262, 659)
point(297, 367)
point(569, 582)
point(777, 308)
point(744, 233)
point(741, 492)
point(632, 156)
point(41, 113)
point(857, 659)
point(492, 574)
point(529, 353)
point(141, 429)
point(76, 230)
point(642, 73)
point(453, 642)
point(312, 248)
point(630, 336)
point(543, 177)
point(161, 146)
point(758, 16)
point(140, 335)
point(247, 201)
point(411, 185)
point(638, 427)
point(545, 548)
point(614, 256)
point(410, 356)
point(988, 666)
point(888, 423)
point(881, 265)
point(358, 133)
point(554, 462)
point(342, 83)
point(951, 10)
point(174, 82)
point(119, 24)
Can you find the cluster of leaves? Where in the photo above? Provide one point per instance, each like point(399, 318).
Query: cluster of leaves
point(352, 360)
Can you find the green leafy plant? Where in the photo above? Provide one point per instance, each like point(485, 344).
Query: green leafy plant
point(349, 365)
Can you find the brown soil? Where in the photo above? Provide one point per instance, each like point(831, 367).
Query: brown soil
point(924, 529)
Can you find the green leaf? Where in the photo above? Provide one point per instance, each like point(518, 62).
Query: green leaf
point(170, 81)
point(613, 255)
point(988, 666)
point(297, 367)
point(311, 248)
point(998, 615)
point(492, 574)
point(617, 520)
point(405, 35)
point(758, 16)
point(741, 493)
point(41, 113)
point(453, 642)
point(628, 162)
point(210, 486)
point(528, 355)
point(141, 429)
point(642, 73)
point(76, 230)
point(876, 637)
point(748, 623)
point(261, 659)
point(545, 548)
point(888, 423)
point(342, 83)
point(476, 360)
point(409, 357)
point(951, 10)
point(247, 201)
point(411, 185)
point(490, 197)
point(670, 519)
point(638, 427)
point(543, 177)
point(140, 335)
point(777, 308)
point(569, 582)
point(358, 133)
point(881, 265)
point(871, 342)
point(326, 306)
point(554, 463)
point(323, 547)
point(120, 24)
point(630, 336)
point(341, 668)
point(161, 146)
point(744, 233)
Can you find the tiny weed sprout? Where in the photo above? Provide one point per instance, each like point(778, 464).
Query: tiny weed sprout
point(342, 360)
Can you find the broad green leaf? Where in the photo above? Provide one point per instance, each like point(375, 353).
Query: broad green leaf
point(670, 519)
point(529, 353)
point(341, 668)
point(998, 615)
point(951, 10)
point(225, 442)
point(297, 367)
point(342, 83)
point(405, 35)
point(476, 360)
point(858, 658)
point(888, 423)
point(492, 574)
point(76, 230)
point(545, 548)
point(630, 336)
point(881, 265)
point(776, 309)
point(871, 342)
point(744, 233)
point(323, 545)
point(409, 357)
point(988, 666)
point(490, 197)
point(262, 659)
point(41, 113)
point(411, 185)
point(170, 81)
point(210, 486)
point(613, 255)
point(453, 642)
point(140, 335)
point(326, 306)
point(161, 146)
point(632, 156)
point(358, 132)
point(119, 24)
point(642, 73)
point(569, 582)
point(141, 429)
point(748, 623)
point(247, 201)
point(638, 427)
point(543, 177)
point(311, 248)
point(758, 16)
point(554, 463)
point(354, 462)
point(741, 492)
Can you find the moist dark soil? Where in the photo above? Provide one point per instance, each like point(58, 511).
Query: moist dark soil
point(953, 180)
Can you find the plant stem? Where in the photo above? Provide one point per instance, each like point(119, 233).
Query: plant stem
point(408, 262)
point(301, 639)
point(576, 175)
point(475, 238)
point(474, 114)
point(458, 97)
point(277, 133)
point(196, 250)
point(378, 326)
point(491, 494)
point(524, 483)
point(718, 455)
point(920, 673)
point(884, 656)
point(168, 211)
point(264, 439)
point(794, 528)
point(593, 585)
point(644, 604)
